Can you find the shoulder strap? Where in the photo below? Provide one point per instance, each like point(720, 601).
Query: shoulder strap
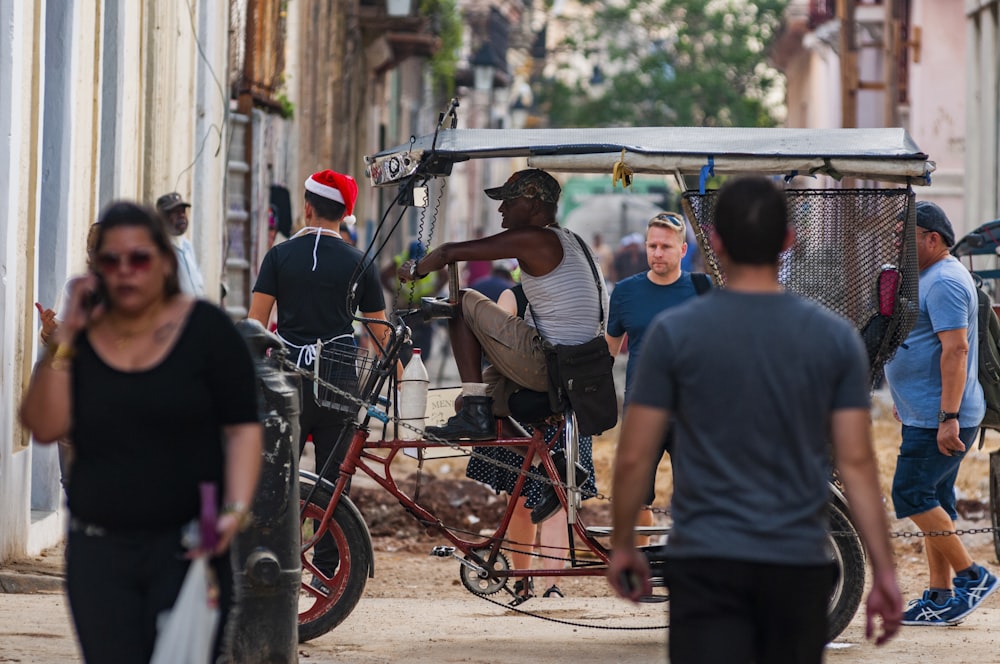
point(702, 284)
point(522, 300)
point(597, 277)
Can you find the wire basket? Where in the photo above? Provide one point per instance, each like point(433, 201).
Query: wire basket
point(847, 242)
point(346, 367)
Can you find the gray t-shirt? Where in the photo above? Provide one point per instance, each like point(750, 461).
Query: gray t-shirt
point(753, 379)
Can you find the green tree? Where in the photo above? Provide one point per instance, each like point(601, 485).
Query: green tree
point(446, 23)
point(667, 63)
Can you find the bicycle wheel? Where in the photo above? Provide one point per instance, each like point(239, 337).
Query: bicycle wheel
point(850, 559)
point(325, 601)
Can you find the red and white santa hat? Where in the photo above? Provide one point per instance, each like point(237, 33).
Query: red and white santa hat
point(337, 187)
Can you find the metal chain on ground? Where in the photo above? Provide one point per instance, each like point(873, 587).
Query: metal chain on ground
point(570, 622)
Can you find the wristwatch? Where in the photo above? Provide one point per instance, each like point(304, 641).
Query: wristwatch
point(944, 415)
point(413, 271)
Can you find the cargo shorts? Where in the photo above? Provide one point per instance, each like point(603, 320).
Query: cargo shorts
point(924, 477)
point(514, 349)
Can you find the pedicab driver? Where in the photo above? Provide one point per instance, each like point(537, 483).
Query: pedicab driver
point(558, 283)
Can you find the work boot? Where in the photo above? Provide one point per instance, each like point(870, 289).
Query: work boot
point(550, 500)
point(473, 422)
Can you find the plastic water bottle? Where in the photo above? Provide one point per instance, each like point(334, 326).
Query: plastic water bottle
point(413, 397)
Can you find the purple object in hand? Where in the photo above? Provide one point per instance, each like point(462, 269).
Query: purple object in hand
point(209, 516)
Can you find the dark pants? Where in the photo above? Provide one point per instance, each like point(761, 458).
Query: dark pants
point(325, 426)
point(119, 583)
point(728, 611)
point(666, 447)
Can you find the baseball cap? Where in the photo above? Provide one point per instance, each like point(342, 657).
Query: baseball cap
point(932, 218)
point(529, 183)
point(168, 202)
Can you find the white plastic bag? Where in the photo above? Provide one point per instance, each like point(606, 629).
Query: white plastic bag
point(187, 631)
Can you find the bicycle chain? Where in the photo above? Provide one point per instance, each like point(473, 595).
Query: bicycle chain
point(466, 451)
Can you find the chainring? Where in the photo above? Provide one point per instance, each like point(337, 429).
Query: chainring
point(490, 584)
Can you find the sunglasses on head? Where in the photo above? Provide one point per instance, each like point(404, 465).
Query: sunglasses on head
point(138, 260)
point(670, 219)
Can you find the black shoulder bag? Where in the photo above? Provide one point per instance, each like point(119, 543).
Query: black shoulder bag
point(581, 374)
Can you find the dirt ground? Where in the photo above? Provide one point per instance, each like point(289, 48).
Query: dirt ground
point(416, 608)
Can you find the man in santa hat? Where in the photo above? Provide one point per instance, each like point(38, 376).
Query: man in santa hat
point(308, 278)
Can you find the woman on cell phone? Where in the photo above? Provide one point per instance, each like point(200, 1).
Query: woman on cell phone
point(157, 392)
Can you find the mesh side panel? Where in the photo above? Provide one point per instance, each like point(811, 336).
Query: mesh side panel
point(845, 239)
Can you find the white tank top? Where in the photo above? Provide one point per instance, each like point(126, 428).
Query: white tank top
point(565, 303)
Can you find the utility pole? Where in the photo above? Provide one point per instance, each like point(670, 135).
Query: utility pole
point(848, 64)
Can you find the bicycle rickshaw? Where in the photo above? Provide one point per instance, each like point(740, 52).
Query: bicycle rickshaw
point(855, 254)
point(979, 250)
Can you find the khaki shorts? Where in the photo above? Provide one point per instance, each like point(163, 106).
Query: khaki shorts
point(513, 348)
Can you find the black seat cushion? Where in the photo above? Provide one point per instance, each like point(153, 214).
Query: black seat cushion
point(529, 407)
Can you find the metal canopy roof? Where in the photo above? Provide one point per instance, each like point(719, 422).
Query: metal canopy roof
point(888, 155)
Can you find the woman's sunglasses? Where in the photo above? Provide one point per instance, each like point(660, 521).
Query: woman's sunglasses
point(138, 260)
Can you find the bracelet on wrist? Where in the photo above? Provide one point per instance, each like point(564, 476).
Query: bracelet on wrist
point(241, 511)
point(59, 356)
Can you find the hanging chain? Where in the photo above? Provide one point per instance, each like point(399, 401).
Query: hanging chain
point(942, 533)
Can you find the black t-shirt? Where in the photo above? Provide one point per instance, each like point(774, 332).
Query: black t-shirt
point(312, 304)
point(144, 440)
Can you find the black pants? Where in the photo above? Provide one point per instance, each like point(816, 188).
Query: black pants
point(331, 432)
point(728, 611)
point(118, 584)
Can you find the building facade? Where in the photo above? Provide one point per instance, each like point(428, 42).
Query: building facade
point(99, 100)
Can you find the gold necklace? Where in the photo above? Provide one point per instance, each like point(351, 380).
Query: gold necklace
point(124, 338)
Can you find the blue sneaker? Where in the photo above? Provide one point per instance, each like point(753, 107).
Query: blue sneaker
point(925, 611)
point(973, 591)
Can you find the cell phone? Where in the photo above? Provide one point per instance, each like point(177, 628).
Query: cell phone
point(97, 296)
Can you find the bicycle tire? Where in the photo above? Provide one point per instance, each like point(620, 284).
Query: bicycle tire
point(318, 614)
point(849, 557)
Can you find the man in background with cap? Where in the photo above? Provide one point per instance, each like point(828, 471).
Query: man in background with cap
point(558, 282)
point(175, 210)
point(309, 277)
point(936, 394)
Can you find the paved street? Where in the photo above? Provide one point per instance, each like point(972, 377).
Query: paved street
point(35, 629)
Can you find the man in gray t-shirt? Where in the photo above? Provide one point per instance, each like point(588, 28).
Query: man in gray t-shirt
point(762, 383)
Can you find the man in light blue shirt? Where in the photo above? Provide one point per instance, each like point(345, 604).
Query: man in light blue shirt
point(937, 397)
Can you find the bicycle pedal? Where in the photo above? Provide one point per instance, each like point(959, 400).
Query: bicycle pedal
point(654, 599)
point(443, 551)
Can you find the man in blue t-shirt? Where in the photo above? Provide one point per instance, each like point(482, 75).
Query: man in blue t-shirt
point(638, 299)
point(936, 394)
point(764, 385)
